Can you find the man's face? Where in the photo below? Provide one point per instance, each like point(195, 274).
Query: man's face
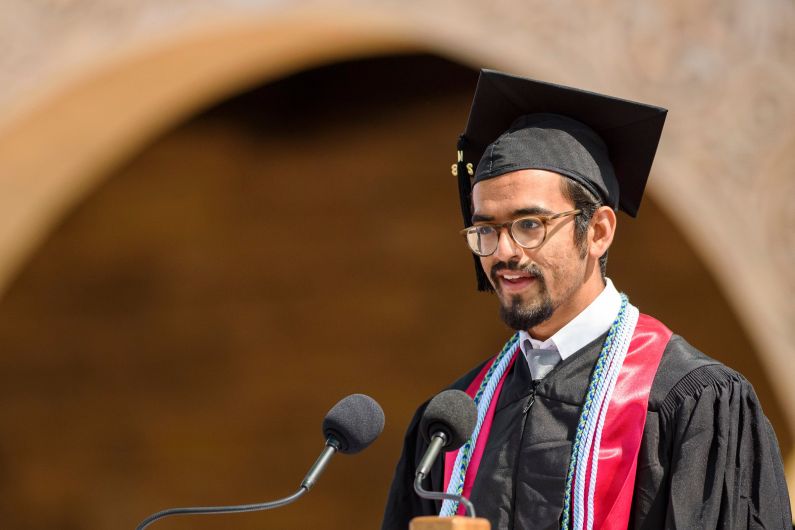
point(533, 285)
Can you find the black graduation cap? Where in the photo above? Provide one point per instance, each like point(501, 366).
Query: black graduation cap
point(606, 144)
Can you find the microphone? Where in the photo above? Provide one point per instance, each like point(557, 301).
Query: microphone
point(446, 424)
point(349, 427)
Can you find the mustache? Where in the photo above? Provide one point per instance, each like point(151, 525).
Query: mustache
point(531, 269)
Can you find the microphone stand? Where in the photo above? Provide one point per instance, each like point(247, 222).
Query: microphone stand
point(440, 496)
point(472, 522)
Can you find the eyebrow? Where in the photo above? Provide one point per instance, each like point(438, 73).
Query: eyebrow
point(534, 210)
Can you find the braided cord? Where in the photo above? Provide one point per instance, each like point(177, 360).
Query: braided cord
point(482, 399)
point(590, 444)
point(593, 387)
point(622, 349)
point(589, 453)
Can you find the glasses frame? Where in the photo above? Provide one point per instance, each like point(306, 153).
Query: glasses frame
point(543, 219)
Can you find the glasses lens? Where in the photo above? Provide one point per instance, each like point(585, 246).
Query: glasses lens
point(528, 232)
point(482, 240)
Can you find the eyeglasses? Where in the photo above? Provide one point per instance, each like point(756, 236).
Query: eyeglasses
point(528, 232)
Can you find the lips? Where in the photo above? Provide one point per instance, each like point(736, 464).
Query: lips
point(511, 278)
point(512, 281)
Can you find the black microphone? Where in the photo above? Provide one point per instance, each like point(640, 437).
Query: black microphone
point(446, 424)
point(349, 427)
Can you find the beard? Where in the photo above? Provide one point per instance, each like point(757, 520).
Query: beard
point(524, 315)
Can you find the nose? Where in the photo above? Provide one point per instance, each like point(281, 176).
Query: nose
point(507, 249)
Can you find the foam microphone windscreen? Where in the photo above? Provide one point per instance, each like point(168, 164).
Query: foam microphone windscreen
point(452, 412)
point(355, 422)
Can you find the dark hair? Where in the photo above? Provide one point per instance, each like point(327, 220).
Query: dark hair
point(587, 202)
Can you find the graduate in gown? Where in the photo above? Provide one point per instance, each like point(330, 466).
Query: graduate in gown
point(602, 417)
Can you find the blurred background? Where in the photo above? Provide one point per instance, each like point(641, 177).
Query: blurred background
point(217, 218)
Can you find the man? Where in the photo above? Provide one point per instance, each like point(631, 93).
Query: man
point(592, 415)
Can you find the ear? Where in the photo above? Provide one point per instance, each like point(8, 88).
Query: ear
point(601, 231)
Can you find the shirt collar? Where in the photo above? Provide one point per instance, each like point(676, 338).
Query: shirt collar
point(591, 323)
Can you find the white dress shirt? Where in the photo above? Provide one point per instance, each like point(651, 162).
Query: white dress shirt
point(591, 323)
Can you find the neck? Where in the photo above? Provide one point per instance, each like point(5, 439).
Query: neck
point(573, 306)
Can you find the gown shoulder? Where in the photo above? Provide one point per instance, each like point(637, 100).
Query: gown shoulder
point(716, 462)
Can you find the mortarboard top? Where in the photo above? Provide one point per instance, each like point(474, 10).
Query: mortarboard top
point(605, 143)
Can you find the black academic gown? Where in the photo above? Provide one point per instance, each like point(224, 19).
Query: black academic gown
point(708, 457)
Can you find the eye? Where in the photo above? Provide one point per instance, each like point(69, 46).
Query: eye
point(529, 223)
point(483, 230)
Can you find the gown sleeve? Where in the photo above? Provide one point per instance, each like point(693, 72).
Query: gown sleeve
point(725, 469)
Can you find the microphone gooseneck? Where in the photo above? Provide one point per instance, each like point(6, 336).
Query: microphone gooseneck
point(349, 427)
point(446, 424)
point(441, 496)
point(207, 510)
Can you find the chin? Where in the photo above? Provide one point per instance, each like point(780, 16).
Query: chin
point(525, 316)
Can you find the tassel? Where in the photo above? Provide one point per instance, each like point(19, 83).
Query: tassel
point(464, 183)
point(464, 171)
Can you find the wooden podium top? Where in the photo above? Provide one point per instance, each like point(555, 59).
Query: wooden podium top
point(449, 523)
